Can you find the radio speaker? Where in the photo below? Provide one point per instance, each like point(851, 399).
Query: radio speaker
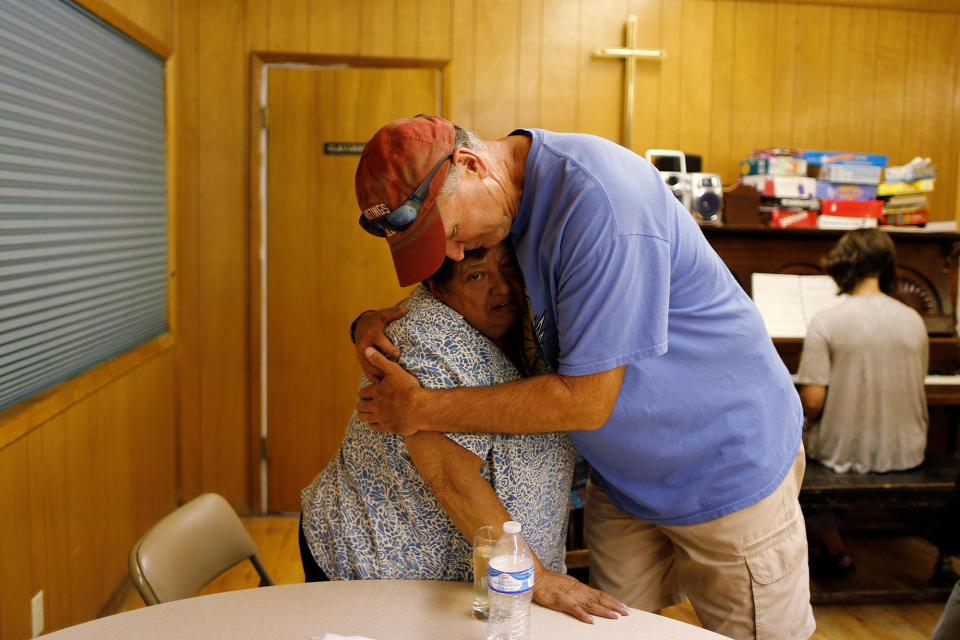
point(706, 197)
point(679, 185)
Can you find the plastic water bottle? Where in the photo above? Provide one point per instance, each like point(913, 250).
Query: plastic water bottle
point(510, 586)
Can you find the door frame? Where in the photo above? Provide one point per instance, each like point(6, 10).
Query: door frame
point(260, 64)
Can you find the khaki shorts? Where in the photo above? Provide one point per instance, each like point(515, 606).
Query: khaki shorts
point(745, 573)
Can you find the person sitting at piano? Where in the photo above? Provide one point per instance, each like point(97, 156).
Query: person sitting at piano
point(862, 380)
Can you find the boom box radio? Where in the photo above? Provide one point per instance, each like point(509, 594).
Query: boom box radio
point(700, 193)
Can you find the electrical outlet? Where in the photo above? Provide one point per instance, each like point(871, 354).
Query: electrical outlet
point(36, 613)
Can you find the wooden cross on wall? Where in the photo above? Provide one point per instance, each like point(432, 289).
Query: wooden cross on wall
point(629, 54)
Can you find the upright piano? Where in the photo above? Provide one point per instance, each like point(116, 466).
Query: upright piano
point(927, 269)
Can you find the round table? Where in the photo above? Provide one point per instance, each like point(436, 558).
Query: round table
point(377, 609)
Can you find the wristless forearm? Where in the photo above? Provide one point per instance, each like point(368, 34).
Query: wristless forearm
point(534, 405)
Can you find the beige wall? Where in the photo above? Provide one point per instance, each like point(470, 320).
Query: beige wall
point(738, 75)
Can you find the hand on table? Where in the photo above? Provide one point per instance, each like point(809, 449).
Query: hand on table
point(385, 405)
point(369, 332)
point(567, 594)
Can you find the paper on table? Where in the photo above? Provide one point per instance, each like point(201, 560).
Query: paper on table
point(335, 636)
point(787, 302)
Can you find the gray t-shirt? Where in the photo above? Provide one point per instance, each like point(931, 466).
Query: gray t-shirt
point(871, 353)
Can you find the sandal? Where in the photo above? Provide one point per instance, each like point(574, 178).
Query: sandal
point(829, 566)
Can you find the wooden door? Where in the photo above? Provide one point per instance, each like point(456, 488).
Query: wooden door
point(322, 269)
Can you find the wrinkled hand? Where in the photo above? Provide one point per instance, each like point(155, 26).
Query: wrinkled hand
point(385, 405)
point(565, 593)
point(369, 332)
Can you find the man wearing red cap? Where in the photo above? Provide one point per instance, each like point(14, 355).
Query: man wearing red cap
point(662, 370)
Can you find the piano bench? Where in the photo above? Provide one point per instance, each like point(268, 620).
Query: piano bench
point(905, 501)
point(923, 488)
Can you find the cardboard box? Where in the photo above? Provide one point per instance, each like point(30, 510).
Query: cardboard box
point(775, 166)
point(850, 173)
point(826, 157)
point(895, 188)
point(794, 218)
point(920, 216)
point(834, 191)
point(782, 186)
point(852, 208)
point(846, 222)
point(909, 173)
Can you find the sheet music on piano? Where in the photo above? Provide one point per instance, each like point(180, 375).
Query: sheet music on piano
point(787, 302)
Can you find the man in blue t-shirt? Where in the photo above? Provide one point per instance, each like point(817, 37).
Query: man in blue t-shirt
point(661, 368)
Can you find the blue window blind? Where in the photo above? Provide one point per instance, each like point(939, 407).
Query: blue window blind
point(83, 208)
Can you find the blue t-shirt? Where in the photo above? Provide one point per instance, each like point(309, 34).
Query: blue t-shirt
point(708, 421)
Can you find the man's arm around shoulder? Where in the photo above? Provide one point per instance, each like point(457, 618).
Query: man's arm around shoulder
point(552, 402)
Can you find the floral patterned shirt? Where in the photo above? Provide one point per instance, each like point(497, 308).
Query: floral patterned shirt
point(371, 515)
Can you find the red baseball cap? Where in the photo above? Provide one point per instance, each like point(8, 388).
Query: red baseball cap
point(393, 164)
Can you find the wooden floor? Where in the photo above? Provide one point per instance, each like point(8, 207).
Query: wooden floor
point(901, 559)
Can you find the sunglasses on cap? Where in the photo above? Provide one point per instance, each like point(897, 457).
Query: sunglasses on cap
point(404, 215)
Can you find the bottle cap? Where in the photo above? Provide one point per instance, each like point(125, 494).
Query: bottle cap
point(511, 526)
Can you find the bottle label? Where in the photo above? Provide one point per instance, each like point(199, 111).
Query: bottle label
point(510, 581)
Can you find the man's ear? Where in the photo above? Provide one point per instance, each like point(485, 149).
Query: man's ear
point(470, 161)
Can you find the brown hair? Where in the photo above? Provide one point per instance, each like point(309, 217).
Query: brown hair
point(861, 254)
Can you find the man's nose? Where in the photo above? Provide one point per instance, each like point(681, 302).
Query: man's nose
point(455, 250)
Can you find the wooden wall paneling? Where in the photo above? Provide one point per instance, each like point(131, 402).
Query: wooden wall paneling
point(463, 66)
point(433, 30)
point(889, 74)
point(256, 23)
point(40, 569)
point(561, 65)
point(335, 27)
point(87, 517)
point(646, 106)
point(223, 259)
point(378, 33)
point(189, 283)
point(150, 446)
point(601, 79)
point(850, 74)
point(110, 423)
point(151, 26)
point(786, 32)
point(724, 75)
point(696, 87)
point(952, 6)
point(753, 97)
point(288, 25)
point(669, 124)
point(954, 190)
point(406, 21)
point(941, 81)
point(16, 538)
point(812, 94)
point(913, 86)
point(496, 77)
point(530, 53)
point(156, 16)
point(48, 461)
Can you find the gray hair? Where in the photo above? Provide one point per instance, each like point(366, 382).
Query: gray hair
point(463, 139)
